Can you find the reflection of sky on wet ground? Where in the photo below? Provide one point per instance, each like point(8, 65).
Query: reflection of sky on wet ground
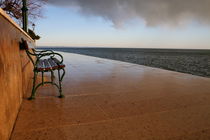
point(99, 72)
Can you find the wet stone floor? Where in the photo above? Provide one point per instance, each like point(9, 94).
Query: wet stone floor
point(112, 100)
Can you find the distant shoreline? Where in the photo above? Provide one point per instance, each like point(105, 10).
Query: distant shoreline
point(149, 49)
point(192, 61)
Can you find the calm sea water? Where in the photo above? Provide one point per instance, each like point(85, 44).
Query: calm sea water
point(196, 62)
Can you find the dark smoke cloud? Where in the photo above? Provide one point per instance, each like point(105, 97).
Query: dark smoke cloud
point(152, 12)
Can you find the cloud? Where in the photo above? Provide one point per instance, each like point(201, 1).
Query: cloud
point(151, 12)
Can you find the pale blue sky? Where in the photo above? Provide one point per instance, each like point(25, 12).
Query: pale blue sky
point(67, 27)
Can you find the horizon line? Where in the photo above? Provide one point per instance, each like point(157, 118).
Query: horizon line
point(98, 47)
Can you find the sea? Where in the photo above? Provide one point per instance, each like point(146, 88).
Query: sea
point(191, 61)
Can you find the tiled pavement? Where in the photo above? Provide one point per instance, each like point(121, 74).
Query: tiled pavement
point(112, 100)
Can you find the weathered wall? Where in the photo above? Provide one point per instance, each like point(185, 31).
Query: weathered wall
point(15, 73)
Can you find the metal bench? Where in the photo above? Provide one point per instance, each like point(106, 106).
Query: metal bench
point(45, 61)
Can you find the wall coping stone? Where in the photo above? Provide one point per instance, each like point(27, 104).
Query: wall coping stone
point(8, 18)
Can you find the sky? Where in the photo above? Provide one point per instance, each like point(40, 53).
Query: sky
point(125, 23)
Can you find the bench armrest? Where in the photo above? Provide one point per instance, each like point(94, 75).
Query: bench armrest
point(42, 52)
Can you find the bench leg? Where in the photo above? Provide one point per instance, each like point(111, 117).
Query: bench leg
point(60, 78)
point(52, 76)
point(34, 87)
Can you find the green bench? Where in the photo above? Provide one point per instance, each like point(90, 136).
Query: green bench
point(45, 61)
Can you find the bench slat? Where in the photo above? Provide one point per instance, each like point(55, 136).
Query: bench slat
point(52, 63)
point(47, 65)
point(40, 64)
point(61, 65)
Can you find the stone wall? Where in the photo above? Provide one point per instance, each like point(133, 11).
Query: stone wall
point(15, 73)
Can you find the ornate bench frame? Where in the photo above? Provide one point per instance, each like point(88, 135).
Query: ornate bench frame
point(39, 66)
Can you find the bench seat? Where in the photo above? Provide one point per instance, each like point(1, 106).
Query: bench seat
point(49, 64)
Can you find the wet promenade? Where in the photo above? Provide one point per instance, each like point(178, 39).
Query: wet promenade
point(112, 100)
